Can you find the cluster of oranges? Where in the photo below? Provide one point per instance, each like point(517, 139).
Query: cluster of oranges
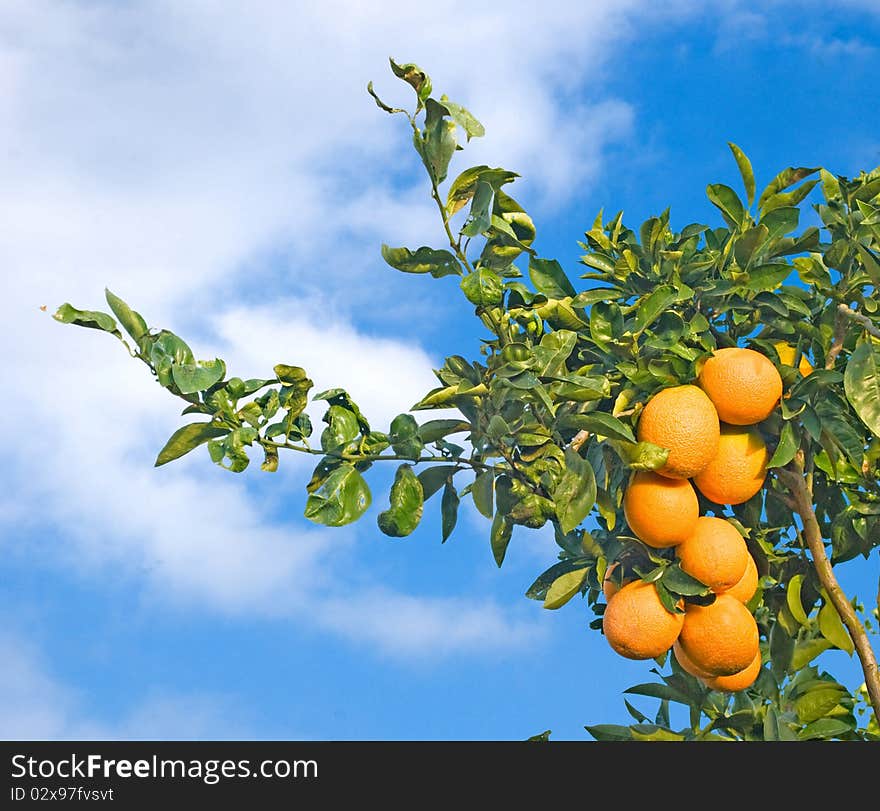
point(714, 446)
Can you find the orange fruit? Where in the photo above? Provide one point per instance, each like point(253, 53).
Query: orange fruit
point(737, 681)
point(715, 553)
point(786, 354)
point(682, 419)
point(609, 583)
point(739, 468)
point(686, 664)
point(720, 639)
point(743, 385)
point(744, 589)
point(660, 511)
point(637, 625)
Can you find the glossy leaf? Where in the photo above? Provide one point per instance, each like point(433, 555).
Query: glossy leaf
point(745, 170)
point(185, 439)
point(483, 287)
point(656, 302)
point(423, 260)
point(600, 423)
point(833, 629)
point(193, 377)
point(499, 536)
point(449, 510)
point(726, 200)
point(407, 503)
point(575, 494)
point(784, 180)
point(92, 319)
point(641, 455)
point(549, 278)
point(342, 498)
point(862, 384)
point(482, 492)
point(132, 322)
point(786, 449)
point(793, 598)
point(564, 588)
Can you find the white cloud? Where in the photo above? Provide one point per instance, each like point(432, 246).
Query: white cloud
point(35, 705)
point(167, 150)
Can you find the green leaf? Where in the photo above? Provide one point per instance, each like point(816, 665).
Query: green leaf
point(564, 588)
point(185, 439)
point(499, 536)
point(542, 737)
point(833, 629)
point(650, 308)
point(92, 319)
point(789, 199)
point(291, 375)
point(793, 599)
point(432, 430)
point(193, 377)
point(132, 322)
point(786, 449)
point(726, 200)
point(439, 140)
point(609, 732)
point(780, 221)
point(817, 703)
point(768, 277)
point(449, 509)
point(462, 189)
point(640, 455)
point(342, 428)
point(553, 352)
point(381, 104)
point(861, 382)
point(869, 263)
point(805, 652)
point(745, 170)
point(483, 287)
point(549, 278)
point(423, 260)
point(575, 494)
point(785, 179)
point(825, 728)
point(599, 423)
point(479, 218)
point(433, 478)
point(482, 492)
point(407, 503)
point(464, 118)
point(415, 77)
point(404, 436)
point(342, 498)
point(681, 582)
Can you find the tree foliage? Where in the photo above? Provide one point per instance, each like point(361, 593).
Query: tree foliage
point(542, 424)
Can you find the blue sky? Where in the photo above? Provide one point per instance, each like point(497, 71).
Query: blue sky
point(226, 173)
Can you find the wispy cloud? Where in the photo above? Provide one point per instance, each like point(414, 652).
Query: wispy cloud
point(36, 705)
point(190, 156)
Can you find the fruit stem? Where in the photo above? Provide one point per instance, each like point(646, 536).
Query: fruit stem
point(794, 479)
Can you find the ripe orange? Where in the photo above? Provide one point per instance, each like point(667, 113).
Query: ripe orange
point(686, 664)
point(609, 583)
point(739, 468)
point(660, 511)
point(744, 385)
point(737, 681)
point(747, 585)
point(636, 623)
point(786, 354)
point(715, 553)
point(720, 639)
point(682, 419)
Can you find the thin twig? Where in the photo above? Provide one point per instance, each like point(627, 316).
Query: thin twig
point(866, 323)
